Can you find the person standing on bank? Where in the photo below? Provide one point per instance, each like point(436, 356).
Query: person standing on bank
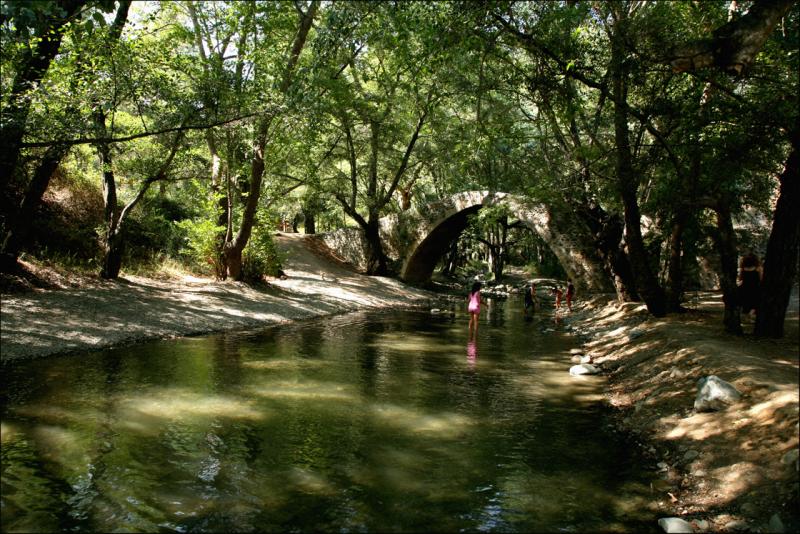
point(474, 308)
point(570, 294)
point(749, 283)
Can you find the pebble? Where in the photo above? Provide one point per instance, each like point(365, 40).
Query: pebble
point(574, 352)
point(702, 524)
point(736, 524)
point(690, 455)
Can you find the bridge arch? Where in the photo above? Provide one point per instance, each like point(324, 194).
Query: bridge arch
point(418, 238)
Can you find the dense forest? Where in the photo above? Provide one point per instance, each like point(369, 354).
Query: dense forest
point(146, 132)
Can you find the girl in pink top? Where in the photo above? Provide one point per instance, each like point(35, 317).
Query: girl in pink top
point(474, 308)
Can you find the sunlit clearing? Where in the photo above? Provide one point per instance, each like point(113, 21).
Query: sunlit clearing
point(306, 390)
point(444, 425)
point(180, 404)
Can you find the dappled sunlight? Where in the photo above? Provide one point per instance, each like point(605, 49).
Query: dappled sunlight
point(9, 432)
point(413, 343)
point(305, 390)
point(60, 445)
point(287, 364)
point(182, 404)
point(442, 424)
point(310, 481)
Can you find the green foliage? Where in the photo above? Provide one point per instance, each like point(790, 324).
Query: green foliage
point(261, 257)
point(201, 241)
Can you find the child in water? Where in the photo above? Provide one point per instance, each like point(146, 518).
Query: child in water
point(557, 291)
point(530, 300)
point(474, 307)
point(570, 294)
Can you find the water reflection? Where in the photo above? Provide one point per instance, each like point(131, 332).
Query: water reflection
point(472, 352)
point(368, 423)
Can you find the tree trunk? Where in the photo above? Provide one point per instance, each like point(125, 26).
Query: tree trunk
point(18, 228)
point(112, 256)
point(376, 259)
point(733, 46)
point(233, 249)
point(310, 223)
point(674, 290)
point(646, 282)
point(30, 71)
point(725, 239)
point(780, 262)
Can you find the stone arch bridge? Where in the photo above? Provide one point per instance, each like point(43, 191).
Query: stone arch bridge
point(420, 236)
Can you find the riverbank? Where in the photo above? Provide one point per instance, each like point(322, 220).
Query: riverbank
point(731, 470)
point(100, 313)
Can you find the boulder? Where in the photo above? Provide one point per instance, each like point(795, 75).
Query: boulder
point(713, 394)
point(586, 359)
point(583, 369)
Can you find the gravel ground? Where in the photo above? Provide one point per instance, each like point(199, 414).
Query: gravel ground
point(132, 309)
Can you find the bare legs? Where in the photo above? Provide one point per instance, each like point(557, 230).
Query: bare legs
point(473, 323)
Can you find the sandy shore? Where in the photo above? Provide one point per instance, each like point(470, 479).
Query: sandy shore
point(133, 309)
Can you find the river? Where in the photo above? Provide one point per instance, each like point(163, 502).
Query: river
point(368, 422)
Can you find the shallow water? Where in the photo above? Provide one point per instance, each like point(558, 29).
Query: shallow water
point(363, 422)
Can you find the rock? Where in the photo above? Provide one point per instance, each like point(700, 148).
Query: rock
point(790, 457)
point(675, 524)
point(702, 524)
point(583, 369)
point(635, 333)
point(576, 359)
point(586, 359)
point(699, 473)
point(713, 394)
point(775, 524)
point(663, 466)
point(579, 352)
point(690, 455)
point(435, 311)
point(736, 524)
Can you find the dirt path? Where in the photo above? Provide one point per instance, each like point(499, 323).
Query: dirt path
point(133, 309)
point(736, 469)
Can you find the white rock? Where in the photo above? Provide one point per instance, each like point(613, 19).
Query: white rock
point(586, 359)
point(713, 393)
point(435, 310)
point(583, 369)
point(675, 524)
point(576, 359)
point(579, 352)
